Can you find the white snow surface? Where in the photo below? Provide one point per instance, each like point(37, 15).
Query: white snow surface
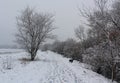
point(49, 67)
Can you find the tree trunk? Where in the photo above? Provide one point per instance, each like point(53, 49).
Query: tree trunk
point(33, 53)
point(112, 77)
point(33, 56)
point(113, 72)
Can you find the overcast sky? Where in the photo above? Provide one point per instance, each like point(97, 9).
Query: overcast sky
point(66, 16)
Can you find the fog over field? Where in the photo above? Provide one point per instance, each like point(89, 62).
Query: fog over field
point(65, 11)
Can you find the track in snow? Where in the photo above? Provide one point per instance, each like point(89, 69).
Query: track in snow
point(59, 72)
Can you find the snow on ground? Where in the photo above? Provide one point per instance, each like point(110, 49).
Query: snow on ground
point(49, 67)
point(8, 51)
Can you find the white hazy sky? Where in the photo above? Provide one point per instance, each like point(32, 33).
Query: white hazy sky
point(66, 16)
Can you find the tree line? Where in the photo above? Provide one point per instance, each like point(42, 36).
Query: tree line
point(98, 46)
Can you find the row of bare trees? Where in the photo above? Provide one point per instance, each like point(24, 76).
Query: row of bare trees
point(98, 46)
point(104, 33)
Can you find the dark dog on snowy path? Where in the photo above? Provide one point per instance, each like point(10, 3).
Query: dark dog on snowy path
point(71, 60)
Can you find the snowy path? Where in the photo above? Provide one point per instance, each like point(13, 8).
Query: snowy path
point(61, 73)
point(50, 68)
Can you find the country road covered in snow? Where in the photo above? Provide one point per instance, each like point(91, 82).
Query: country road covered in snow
point(49, 67)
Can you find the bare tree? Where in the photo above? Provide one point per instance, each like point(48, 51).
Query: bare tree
point(33, 29)
point(80, 33)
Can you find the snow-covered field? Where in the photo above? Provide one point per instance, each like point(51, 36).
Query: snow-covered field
point(48, 68)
